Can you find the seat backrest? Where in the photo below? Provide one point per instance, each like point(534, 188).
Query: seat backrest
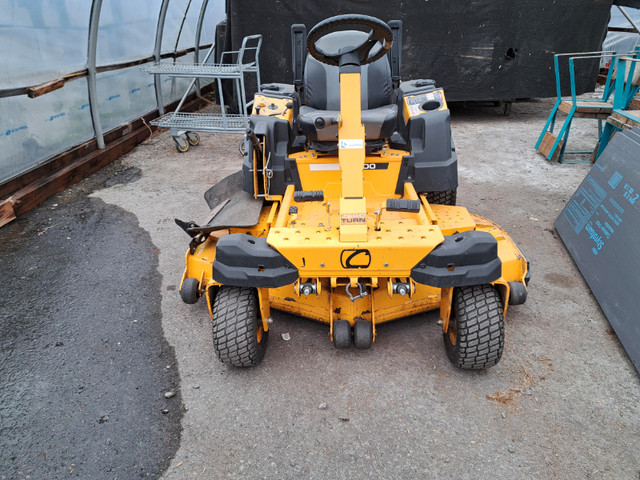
point(322, 83)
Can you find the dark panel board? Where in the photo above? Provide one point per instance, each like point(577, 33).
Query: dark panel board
point(600, 227)
point(475, 49)
point(628, 3)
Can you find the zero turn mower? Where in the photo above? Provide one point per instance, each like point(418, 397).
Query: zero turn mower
point(344, 211)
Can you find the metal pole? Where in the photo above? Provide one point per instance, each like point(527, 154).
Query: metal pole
point(157, 52)
point(175, 48)
point(184, 18)
point(626, 15)
point(196, 52)
point(94, 22)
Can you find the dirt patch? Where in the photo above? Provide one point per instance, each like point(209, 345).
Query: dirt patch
point(561, 280)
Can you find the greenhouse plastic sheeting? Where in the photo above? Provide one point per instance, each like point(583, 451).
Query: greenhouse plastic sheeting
point(618, 42)
point(35, 129)
point(127, 33)
point(42, 40)
point(45, 40)
point(618, 20)
point(621, 41)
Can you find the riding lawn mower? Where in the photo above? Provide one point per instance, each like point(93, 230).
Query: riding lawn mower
point(344, 210)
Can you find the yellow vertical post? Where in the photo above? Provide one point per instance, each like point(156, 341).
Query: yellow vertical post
point(351, 154)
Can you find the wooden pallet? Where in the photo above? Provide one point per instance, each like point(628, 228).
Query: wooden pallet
point(635, 104)
point(547, 143)
point(622, 121)
point(587, 109)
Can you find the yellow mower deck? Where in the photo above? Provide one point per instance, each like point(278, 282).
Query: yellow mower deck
point(313, 246)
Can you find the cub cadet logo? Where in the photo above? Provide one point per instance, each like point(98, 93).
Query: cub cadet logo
point(355, 258)
point(353, 219)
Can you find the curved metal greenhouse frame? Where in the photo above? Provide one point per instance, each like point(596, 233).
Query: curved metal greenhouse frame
point(15, 161)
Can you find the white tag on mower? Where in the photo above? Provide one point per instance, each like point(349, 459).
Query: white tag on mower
point(352, 144)
point(318, 167)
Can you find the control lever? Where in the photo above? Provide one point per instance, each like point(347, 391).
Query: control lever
point(254, 141)
point(321, 122)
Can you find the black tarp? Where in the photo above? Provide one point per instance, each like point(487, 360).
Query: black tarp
point(475, 49)
point(628, 3)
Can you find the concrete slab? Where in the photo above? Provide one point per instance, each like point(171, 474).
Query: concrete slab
point(564, 402)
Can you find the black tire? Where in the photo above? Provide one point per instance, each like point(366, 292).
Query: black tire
point(193, 138)
point(182, 145)
point(341, 334)
point(238, 337)
point(475, 337)
point(362, 334)
point(445, 197)
point(190, 291)
point(518, 293)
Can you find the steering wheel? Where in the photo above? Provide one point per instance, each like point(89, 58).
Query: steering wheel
point(380, 31)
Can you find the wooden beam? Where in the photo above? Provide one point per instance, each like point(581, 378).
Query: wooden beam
point(37, 90)
point(7, 214)
point(37, 192)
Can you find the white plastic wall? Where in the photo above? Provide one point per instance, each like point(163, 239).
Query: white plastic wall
point(621, 41)
point(46, 39)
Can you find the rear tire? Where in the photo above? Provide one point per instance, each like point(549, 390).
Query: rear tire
point(445, 197)
point(238, 336)
point(475, 337)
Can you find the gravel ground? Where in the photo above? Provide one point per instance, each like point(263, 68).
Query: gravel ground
point(562, 403)
point(85, 364)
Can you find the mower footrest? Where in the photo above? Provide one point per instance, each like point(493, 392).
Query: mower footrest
point(308, 196)
point(403, 205)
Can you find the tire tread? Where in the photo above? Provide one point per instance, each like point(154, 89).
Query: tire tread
point(445, 197)
point(480, 327)
point(235, 317)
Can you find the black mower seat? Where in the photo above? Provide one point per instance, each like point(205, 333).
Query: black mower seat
point(322, 89)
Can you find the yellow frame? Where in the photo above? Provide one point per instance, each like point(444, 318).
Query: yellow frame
point(353, 219)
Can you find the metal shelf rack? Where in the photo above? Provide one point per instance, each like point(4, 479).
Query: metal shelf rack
point(187, 124)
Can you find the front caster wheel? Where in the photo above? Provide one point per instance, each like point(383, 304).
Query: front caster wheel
point(182, 145)
point(190, 290)
point(341, 334)
point(193, 138)
point(506, 109)
point(239, 338)
point(518, 293)
point(475, 337)
point(362, 334)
